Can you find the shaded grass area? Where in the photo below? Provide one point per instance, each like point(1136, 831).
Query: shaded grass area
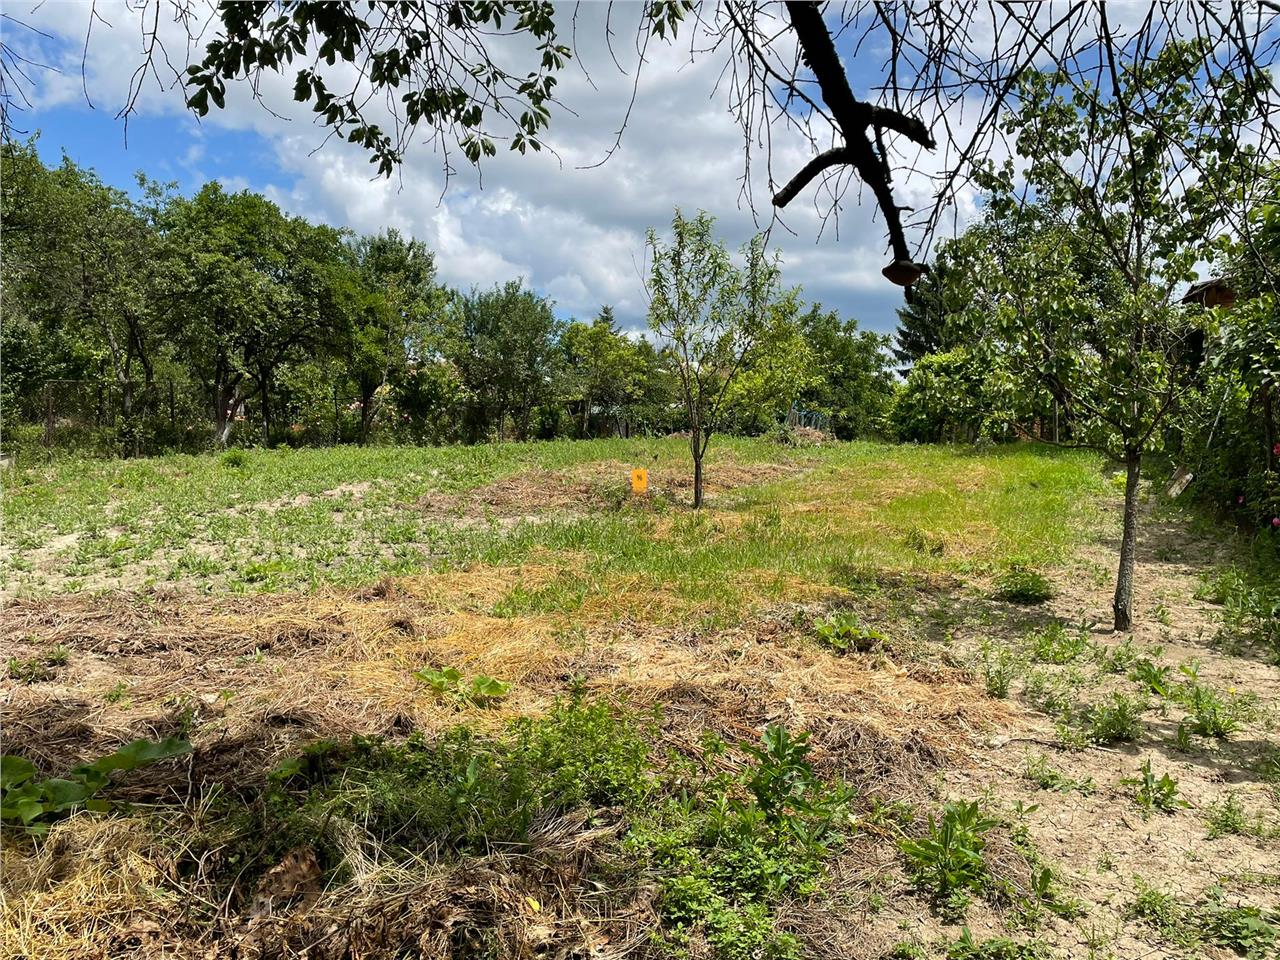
point(286, 519)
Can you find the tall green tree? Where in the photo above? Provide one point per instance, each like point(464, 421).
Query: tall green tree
point(922, 320)
point(604, 369)
point(396, 317)
point(709, 316)
point(1093, 236)
point(84, 266)
point(502, 341)
point(257, 287)
point(854, 383)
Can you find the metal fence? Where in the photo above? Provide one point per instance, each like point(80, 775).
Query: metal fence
point(808, 418)
point(131, 417)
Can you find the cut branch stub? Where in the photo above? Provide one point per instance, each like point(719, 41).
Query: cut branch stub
point(854, 117)
point(904, 272)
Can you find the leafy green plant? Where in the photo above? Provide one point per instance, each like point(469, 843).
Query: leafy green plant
point(1245, 929)
point(1212, 715)
point(28, 670)
point(995, 948)
point(1153, 678)
point(448, 684)
point(947, 860)
point(782, 777)
point(1055, 644)
point(723, 860)
point(843, 632)
point(1045, 777)
point(1248, 930)
point(1000, 665)
point(1118, 720)
point(1019, 584)
point(32, 803)
point(1155, 793)
point(1227, 817)
point(1115, 659)
point(1182, 738)
point(235, 459)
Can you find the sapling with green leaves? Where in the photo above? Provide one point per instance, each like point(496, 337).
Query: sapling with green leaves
point(1124, 186)
point(711, 316)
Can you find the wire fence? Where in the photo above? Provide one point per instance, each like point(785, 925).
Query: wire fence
point(132, 416)
point(808, 418)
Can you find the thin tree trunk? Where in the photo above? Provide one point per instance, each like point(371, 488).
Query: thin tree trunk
point(366, 409)
point(1268, 428)
point(1122, 607)
point(226, 403)
point(266, 411)
point(699, 449)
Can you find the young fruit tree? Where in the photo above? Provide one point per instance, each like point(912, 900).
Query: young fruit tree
point(710, 315)
point(1123, 185)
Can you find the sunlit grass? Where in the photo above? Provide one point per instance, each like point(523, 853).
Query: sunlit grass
point(347, 516)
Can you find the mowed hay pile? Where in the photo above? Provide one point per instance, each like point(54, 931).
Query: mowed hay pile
point(250, 681)
point(593, 486)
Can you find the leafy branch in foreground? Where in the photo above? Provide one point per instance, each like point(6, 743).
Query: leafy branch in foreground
point(31, 803)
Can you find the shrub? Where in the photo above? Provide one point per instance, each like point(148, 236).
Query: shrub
point(1116, 721)
point(1020, 585)
point(843, 632)
point(948, 860)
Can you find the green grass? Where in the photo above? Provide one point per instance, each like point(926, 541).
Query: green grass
point(266, 524)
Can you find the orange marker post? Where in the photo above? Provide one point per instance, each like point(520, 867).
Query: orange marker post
point(639, 481)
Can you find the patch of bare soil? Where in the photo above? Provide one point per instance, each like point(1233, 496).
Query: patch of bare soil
point(356, 491)
point(599, 485)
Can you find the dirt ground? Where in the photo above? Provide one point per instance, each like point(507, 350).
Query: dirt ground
point(252, 679)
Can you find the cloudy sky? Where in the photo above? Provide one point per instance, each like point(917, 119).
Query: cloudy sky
point(575, 234)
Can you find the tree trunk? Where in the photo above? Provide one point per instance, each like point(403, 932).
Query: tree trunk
point(699, 448)
point(1122, 607)
point(265, 396)
point(1268, 428)
point(226, 400)
point(366, 409)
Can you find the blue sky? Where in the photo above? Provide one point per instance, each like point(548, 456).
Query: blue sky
point(576, 235)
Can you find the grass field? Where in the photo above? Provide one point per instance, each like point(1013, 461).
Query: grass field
point(281, 520)
point(483, 702)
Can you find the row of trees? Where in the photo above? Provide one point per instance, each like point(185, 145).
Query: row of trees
point(279, 330)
